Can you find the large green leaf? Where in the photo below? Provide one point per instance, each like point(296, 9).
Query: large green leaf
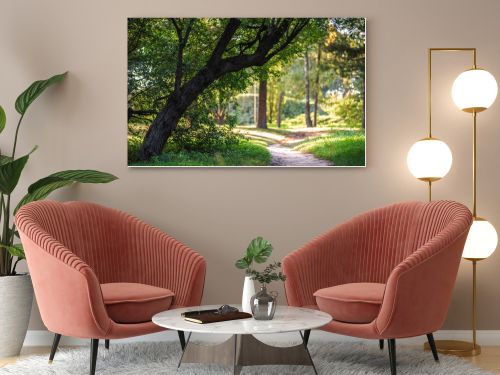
point(4, 159)
point(86, 176)
point(242, 263)
point(42, 193)
point(15, 250)
point(10, 172)
point(43, 187)
point(3, 119)
point(259, 250)
point(31, 93)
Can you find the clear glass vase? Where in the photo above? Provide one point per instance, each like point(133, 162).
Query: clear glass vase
point(263, 304)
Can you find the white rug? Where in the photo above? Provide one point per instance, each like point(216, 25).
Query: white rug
point(161, 358)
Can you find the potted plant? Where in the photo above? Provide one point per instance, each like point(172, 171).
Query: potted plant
point(263, 304)
point(258, 251)
point(16, 291)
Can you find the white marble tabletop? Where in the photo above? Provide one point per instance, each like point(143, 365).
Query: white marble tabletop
point(286, 319)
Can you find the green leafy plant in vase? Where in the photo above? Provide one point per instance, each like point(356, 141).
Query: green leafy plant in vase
point(269, 274)
point(257, 251)
point(16, 291)
point(262, 305)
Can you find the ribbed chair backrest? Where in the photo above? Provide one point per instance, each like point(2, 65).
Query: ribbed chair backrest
point(379, 242)
point(368, 247)
point(386, 236)
point(433, 218)
point(94, 233)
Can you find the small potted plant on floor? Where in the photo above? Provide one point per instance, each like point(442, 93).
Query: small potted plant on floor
point(16, 290)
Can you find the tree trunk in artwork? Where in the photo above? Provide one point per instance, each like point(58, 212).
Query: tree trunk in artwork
point(262, 115)
point(161, 129)
point(307, 90)
point(271, 96)
point(279, 108)
point(274, 39)
point(255, 104)
point(316, 88)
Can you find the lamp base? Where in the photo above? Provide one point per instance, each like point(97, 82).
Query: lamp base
point(456, 348)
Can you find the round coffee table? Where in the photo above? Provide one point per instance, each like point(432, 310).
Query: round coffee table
point(242, 348)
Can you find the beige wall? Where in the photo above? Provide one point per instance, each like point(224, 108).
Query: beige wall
point(82, 124)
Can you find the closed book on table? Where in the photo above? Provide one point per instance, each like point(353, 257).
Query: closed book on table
point(212, 317)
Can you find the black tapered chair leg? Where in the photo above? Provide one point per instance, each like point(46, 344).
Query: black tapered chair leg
point(392, 355)
point(307, 333)
point(94, 346)
point(106, 344)
point(432, 344)
point(381, 344)
point(182, 339)
point(55, 344)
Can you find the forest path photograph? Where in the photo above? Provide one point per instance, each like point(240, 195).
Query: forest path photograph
point(281, 147)
point(246, 92)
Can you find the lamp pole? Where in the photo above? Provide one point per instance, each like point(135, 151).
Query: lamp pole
point(454, 347)
point(474, 165)
point(429, 95)
point(474, 215)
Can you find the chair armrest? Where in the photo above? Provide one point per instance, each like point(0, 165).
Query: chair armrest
point(419, 289)
point(321, 263)
point(67, 290)
point(165, 262)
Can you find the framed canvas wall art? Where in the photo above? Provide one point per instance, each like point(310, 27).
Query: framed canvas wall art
point(253, 92)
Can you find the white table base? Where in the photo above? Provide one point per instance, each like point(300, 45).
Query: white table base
point(246, 350)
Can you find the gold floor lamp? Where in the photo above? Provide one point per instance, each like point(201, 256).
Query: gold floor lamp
point(430, 159)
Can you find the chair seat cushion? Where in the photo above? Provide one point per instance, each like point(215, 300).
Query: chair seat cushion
point(135, 303)
point(351, 303)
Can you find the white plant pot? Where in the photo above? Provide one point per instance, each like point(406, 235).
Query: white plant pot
point(248, 292)
point(16, 298)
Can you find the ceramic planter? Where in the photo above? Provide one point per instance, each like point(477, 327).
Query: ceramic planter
point(248, 292)
point(16, 298)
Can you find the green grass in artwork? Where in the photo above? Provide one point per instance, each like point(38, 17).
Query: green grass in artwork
point(245, 153)
point(341, 148)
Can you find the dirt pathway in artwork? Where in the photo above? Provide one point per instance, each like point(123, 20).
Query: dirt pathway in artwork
point(285, 156)
point(281, 148)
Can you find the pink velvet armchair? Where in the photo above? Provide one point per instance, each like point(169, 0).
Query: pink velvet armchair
point(99, 273)
point(385, 274)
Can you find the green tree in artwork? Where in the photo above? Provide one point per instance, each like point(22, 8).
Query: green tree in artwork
point(174, 63)
point(347, 58)
point(246, 92)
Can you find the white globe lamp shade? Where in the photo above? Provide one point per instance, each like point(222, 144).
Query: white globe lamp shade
point(481, 241)
point(474, 90)
point(429, 159)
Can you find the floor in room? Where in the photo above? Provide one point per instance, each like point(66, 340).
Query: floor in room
point(488, 360)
